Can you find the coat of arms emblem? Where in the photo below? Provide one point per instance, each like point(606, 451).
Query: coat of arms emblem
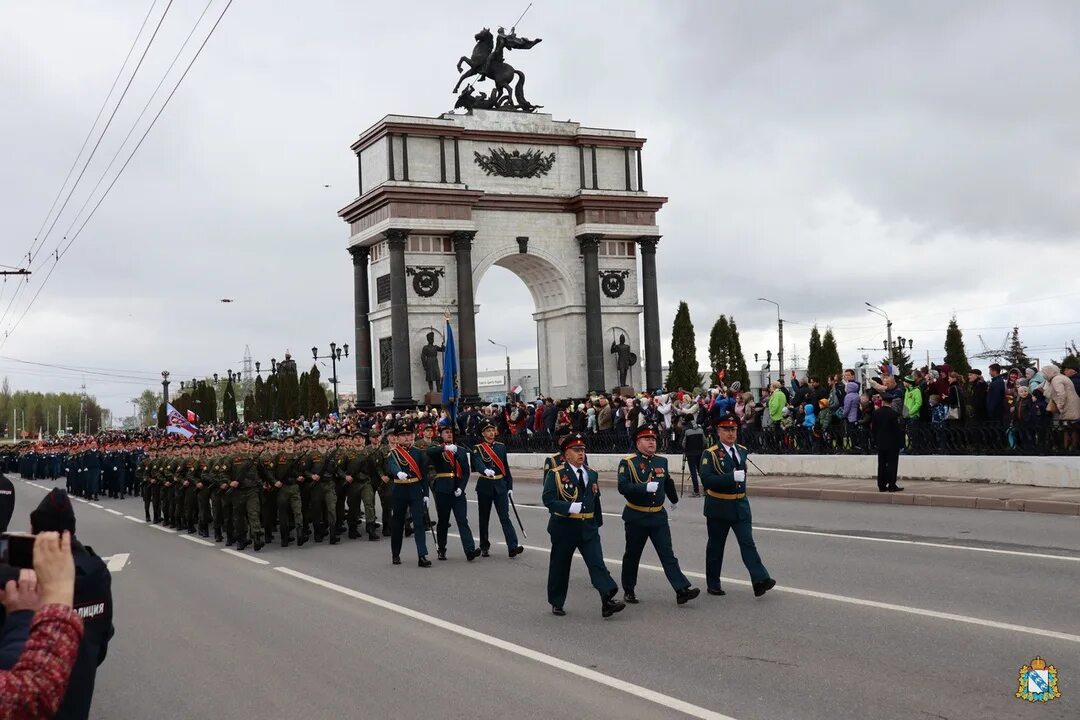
point(1038, 682)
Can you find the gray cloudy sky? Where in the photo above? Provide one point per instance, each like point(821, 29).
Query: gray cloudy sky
point(922, 156)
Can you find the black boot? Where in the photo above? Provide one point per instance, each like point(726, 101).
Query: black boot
point(764, 586)
point(353, 533)
point(397, 560)
point(285, 540)
point(630, 598)
point(230, 541)
point(442, 554)
point(473, 555)
point(686, 595)
point(268, 536)
point(301, 537)
point(259, 544)
point(424, 562)
point(242, 544)
point(484, 552)
point(609, 605)
point(334, 537)
point(218, 537)
point(514, 552)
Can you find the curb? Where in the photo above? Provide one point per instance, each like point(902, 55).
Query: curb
point(951, 501)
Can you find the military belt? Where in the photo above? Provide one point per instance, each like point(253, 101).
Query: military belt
point(445, 475)
point(645, 508)
point(407, 481)
point(485, 477)
point(725, 496)
point(576, 516)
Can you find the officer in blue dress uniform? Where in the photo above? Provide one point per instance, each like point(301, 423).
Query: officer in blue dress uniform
point(494, 485)
point(407, 468)
point(644, 481)
point(92, 464)
point(570, 492)
point(723, 475)
point(449, 466)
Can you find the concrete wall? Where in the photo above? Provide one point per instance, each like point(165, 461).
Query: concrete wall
point(1038, 471)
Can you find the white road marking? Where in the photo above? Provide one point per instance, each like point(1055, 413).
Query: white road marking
point(79, 499)
point(578, 671)
point(132, 518)
point(196, 540)
point(249, 558)
point(946, 546)
point(116, 562)
point(99, 507)
point(164, 529)
point(907, 609)
point(114, 512)
point(867, 538)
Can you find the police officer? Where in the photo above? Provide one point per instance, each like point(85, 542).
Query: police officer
point(406, 466)
point(644, 481)
point(570, 490)
point(494, 485)
point(450, 473)
point(723, 475)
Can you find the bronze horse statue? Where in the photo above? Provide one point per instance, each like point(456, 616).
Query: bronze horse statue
point(483, 62)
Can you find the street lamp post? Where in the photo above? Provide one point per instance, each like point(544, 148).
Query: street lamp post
point(506, 351)
point(780, 334)
point(888, 325)
point(334, 356)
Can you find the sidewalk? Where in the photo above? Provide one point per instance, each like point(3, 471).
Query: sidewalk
point(935, 493)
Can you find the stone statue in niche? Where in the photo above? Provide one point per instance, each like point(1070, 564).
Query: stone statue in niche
point(624, 359)
point(429, 358)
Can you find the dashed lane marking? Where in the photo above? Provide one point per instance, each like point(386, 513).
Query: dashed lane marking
point(578, 671)
point(99, 507)
point(244, 556)
point(197, 540)
point(114, 512)
point(132, 518)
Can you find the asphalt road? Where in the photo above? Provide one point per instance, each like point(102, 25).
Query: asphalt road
point(883, 611)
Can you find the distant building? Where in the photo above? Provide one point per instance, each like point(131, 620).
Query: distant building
point(491, 384)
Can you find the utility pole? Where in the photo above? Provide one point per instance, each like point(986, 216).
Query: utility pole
point(780, 339)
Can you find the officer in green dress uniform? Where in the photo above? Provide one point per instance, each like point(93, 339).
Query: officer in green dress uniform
point(494, 486)
point(570, 491)
point(449, 465)
point(644, 481)
point(407, 468)
point(723, 475)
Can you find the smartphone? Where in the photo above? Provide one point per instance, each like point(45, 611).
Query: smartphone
point(17, 549)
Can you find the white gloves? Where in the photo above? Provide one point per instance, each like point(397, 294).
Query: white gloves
point(740, 476)
point(509, 493)
point(457, 492)
point(575, 507)
point(402, 476)
point(426, 499)
point(489, 472)
point(652, 486)
point(451, 448)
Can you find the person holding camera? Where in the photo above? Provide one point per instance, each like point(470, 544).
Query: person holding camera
point(34, 687)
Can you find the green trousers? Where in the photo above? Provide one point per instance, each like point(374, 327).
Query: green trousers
point(222, 507)
point(203, 501)
point(290, 513)
point(246, 521)
point(357, 492)
point(323, 499)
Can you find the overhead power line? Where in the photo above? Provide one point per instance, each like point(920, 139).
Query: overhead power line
point(120, 172)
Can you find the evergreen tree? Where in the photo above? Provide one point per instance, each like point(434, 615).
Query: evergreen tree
point(288, 389)
point(317, 401)
point(303, 397)
point(955, 354)
point(1016, 355)
point(249, 408)
point(260, 398)
point(683, 372)
point(228, 403)
point(161, 417)
point(813, 362)
point(830, 356)
point(719, 345)
point(211, 403)
point(738, 360)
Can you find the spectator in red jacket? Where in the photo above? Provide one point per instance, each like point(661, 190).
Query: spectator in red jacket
point(34, 688)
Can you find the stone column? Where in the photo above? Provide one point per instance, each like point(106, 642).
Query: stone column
point(396, 239)
point(365, 389)
point(466, 337)
point(594, 327)
point(654, 372)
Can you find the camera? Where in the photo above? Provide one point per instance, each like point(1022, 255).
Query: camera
point(17, 549)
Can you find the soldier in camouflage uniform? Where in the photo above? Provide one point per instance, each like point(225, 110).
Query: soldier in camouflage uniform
point(360, 477)
point(244, 486)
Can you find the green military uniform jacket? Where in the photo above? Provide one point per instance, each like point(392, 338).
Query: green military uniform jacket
point(242, 469)
point(724, 498)
point(635, 473)
point(561, 488)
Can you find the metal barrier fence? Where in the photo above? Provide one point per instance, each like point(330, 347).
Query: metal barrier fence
point(921, 439)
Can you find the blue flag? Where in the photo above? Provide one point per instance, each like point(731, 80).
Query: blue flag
point(450, 375)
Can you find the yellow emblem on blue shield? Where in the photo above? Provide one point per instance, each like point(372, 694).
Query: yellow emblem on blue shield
point(1038, 682)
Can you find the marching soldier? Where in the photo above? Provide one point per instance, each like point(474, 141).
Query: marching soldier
point(268, 493)
point(322, 498)
point(494, 485)
point(644, 481)
point(383, 487)
point(290, 512)
point(570, 490)
point(203, 487)
point(406, 467)
point(221, 497)
point(191, 471)
point(244, 483)
point(450, 472)
point(723, 475)
point(361, 472)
